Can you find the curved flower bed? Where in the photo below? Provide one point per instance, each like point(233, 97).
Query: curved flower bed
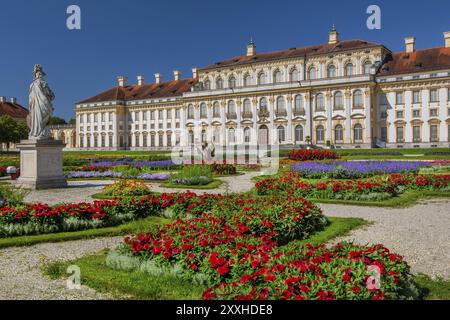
point(378, 188)
point(312, 154)
point(355, 169)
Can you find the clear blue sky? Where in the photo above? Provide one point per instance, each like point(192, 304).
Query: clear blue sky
point(144, 36)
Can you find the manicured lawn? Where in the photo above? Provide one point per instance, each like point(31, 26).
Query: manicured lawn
point(212, 185)
point(438, 289)
point(123, 229)
point(115, 153)
point(138, 285)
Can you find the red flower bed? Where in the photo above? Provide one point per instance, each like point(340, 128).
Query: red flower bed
point(312, 154)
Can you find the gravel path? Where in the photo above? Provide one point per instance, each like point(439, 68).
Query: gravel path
point(81, 191)
point(21, 277)
point(421, 234)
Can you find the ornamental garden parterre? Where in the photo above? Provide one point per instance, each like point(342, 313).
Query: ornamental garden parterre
point(241, 246)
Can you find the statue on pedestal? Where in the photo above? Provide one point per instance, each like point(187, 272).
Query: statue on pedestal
point(40, 106)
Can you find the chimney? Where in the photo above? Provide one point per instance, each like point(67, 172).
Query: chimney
point(14, 100)
point(140, 80)
point(158, 77)
point(333, 36)
point(251, 48)
point(122, 81)
point(447, 39)
point(409, 44)
point(176, 75)
point(194, 73)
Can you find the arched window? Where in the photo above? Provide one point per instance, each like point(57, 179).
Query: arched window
point(190, 112)
point(277, 76)
point(293, 75)
point(144, 139)
point(231, 136)
point(299, 133)
point(247, 106)
point(203, 136)
point(320, 102)
point(338, 101)
point(219, 83)
point(203, 111)
point(247, 134)
point(216, 109)
point(349, 69)
point(152, 140)
point(263, 105)
point(216, 135)
point(191, 136)
point(161, 140)
point(358, 99)
point(357, 133)
point(281, 134)
point(207, 84)
point(261, 78)
point(312, 74)
point(247, 80)
point(280, 105)
point(298, 106)
point(367, 67)
point(320, 134)
point(338, 134)
point(231, 107)
point(169, 139)
point(232, 82)
point(331, 71)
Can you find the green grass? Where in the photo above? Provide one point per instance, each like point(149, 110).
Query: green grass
point(438, 289)
point(212, 185)
point(126, 228)
point(138, 285)
point(116, 153)
point(126, 284)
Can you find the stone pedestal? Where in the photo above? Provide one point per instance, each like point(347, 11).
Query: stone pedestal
point(41, 164)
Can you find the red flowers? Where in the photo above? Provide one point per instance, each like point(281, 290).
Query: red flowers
point(312, 154)
point(223, 270)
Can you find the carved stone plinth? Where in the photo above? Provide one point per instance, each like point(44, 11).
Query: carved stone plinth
point(41, 164)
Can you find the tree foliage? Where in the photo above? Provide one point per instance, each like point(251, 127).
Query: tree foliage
point(12, 130)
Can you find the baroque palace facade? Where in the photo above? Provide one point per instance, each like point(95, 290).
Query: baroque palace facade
point(349, 93)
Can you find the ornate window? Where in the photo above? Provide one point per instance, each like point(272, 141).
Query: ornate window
point(262, 78)
point(358, 99)
point(247, 106)
point(247, 134)
point(357, 133)
point(367, 67)
point(331, 71)
point(231, 136)
point(338, 100)
point(399, 133)
point(207, 84)
point(231, 107)
point(320, 137)
point(338, 133)
point(277, 76)
point(263, 105)
point(293, 75)
point(190, 112)
point(320, 102)
point(203, 111)
point(247, 80)
point(312, 73)
point(299, 133)
point(219, 83)
point(216, 135)
point(216, 110)
point(298, 104)
point(191, 136)
point(349, 69)
point(281, 134)
point(280, 105)
point(232, 82)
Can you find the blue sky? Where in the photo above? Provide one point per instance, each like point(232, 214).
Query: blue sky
point(144, 36)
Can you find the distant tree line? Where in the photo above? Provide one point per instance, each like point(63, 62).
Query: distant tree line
point(11, 131)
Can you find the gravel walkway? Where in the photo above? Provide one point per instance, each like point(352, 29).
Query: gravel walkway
point(21, 277)
point(81, 191)
point(421, 234)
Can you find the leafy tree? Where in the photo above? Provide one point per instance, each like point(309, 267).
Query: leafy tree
point(56, 121)
point(72, 121)
point(11, 130)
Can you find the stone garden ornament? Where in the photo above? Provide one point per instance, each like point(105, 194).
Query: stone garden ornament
point(40, 106)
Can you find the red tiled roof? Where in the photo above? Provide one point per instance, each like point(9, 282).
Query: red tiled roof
point(293, 53)
point(13, 109)
point(145, 91)
point(417, 61)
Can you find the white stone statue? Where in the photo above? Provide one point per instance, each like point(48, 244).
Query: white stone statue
point(40, 106)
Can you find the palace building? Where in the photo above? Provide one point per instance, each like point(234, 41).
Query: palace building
point(345, 93)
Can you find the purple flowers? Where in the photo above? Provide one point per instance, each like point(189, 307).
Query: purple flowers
point(113, 163)
point(355, 169)
point(93, 174)
point(154, 176)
